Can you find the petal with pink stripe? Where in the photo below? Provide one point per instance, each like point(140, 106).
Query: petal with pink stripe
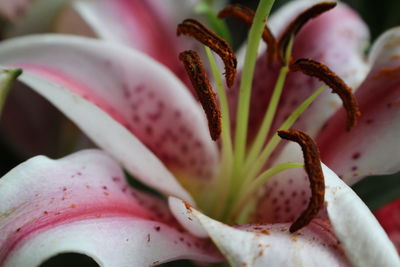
point(362, 239)
point(134, 90)
point(148, 26)
point(372, 146)
point(82, 203)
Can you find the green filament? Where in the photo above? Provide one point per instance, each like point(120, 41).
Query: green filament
point(223, 179)
point(251, 167)
point(242, 116)
point(272, 107)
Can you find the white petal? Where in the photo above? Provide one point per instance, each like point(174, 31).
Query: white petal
point(273, 245)
point(362, 237)
point(82, 203)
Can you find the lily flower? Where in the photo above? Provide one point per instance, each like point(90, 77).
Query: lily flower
point(255, 210)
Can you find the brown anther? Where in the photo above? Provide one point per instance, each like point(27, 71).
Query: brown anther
point(201, 85)
point(246, 15)
point(312, 165)
point(209, 38)
point(295, 26)
point(321, 71)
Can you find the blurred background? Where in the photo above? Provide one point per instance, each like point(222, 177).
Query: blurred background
point(52, 137)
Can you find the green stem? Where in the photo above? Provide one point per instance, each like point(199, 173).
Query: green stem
point(271, 111)
point(268, 118)
point(225, 118)
point(7, 78)
point(242, 115)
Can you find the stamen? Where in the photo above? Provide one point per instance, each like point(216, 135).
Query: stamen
point(201, 84)
point(312, 165)
point(222, 184)
point(293, 28)
point(207, 37)
point(246, 15)
point(338, 86)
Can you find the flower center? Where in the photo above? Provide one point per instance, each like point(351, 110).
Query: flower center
point(242, 171)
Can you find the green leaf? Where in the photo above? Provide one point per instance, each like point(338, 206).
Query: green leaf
point(7, 78)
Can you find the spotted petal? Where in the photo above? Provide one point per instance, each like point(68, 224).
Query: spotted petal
point(336, 38)
point(372, 147)
point(82, 204)
point(132, 89)
point(346, 226)
point(272, 244)
point(148, 26)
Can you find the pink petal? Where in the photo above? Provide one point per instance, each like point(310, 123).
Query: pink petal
point(389, 217)
point(372, 147)
point(273, 245)
point(148, 26)
point(335, 38)
point(133, 89)
point(83, 204)
point(362, 238)
point(285, 197)
point(286, 194)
